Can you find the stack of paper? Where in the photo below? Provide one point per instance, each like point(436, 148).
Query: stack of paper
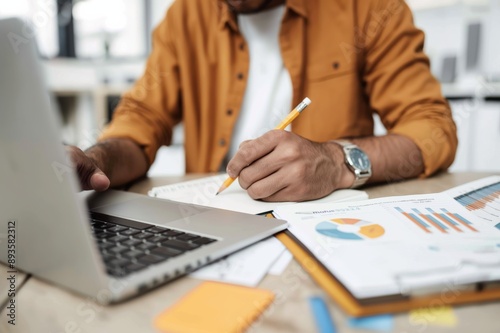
point(246, 267)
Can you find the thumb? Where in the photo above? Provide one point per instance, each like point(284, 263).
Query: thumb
point(89, 174)
point(99, 181)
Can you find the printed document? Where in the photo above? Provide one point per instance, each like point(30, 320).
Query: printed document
point(398, 245)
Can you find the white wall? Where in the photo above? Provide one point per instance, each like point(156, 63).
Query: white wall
point(492, 37)
point(446, 33)
point(478, 123)
point(159, 8)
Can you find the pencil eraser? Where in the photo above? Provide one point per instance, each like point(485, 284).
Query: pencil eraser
point(307, 101)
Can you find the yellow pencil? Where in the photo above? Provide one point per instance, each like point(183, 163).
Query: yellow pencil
point(287, 121)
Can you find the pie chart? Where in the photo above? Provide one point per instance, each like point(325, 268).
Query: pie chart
point(351, 229)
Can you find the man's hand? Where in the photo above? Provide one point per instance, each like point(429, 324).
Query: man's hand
point(282, 166)
point(91, 177)
point(112, 162)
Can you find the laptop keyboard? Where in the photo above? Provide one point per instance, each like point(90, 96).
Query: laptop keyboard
point(129, 246)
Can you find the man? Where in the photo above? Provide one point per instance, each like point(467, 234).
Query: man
point(224, 66)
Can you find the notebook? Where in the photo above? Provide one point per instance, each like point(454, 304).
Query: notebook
point(202, 192)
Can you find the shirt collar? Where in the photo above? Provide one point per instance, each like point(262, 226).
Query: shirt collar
point(299, 7)
point(226, 17)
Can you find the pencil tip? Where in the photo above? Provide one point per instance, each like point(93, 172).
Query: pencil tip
point(217, 193)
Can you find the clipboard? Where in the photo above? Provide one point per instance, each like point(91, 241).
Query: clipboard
point(355, 308)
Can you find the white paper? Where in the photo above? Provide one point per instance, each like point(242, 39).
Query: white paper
point(202, 192)
point(246, 267)
point(281, 263)
point(374, 248)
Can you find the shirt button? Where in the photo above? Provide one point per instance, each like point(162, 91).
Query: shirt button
point(240, 76)
point(335, 65)
point(222, 142)
point(242, 46)
point(229, 112)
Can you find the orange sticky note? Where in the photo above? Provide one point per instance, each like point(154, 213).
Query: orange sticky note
point(215, 308)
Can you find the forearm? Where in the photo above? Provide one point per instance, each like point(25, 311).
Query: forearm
point(393, 157)
point(122, 160)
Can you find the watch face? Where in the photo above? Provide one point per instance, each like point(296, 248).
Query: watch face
point(359, 159)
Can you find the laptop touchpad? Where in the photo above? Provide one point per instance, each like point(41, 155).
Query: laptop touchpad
point(150, 210)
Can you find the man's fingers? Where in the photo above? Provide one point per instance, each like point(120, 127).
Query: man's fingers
point(90, 176)
point(260, 169)
point(85, 170)
point(252, 150)
point(99, 181)
point(268, 186)
point(243, 143)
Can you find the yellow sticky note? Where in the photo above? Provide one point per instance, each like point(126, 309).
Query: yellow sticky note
point(438, 316)
point(215, 308)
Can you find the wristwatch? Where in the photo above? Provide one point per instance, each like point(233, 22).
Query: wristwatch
point(357, 161)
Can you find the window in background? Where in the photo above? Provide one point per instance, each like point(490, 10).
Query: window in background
point(66, 31)
point(42, 16)
point(110, 28)
point(473, 46)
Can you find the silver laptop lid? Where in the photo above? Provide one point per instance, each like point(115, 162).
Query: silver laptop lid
point(38, 189)
point(39, 201)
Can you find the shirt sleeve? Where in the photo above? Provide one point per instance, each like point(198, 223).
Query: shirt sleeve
point(148, 112)
point(401, 87)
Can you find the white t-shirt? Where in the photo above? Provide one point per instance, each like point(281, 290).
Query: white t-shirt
point(268, 94)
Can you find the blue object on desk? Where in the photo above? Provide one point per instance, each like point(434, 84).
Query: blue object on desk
point(383, 323)
point(321, 315)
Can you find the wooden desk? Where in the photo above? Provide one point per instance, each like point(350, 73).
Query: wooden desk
point(46, 308)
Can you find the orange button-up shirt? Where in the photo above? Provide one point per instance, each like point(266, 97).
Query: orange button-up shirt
point(352, 58)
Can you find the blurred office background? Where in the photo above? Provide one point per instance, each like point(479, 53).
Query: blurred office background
point(94, 50)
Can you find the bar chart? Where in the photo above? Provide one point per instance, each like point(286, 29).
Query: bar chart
point(480, 198)
point(483, 201)
point(437, 220)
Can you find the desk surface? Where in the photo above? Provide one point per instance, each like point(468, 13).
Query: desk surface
point(46, 308)
point(20, 278)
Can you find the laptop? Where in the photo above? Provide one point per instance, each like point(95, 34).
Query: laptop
point(109, 246)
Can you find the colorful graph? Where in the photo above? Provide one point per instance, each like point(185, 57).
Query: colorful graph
point(430, 220)
point(348, 228)
point(480, 198)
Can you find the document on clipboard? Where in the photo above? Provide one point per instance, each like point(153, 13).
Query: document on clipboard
point(408, 245)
